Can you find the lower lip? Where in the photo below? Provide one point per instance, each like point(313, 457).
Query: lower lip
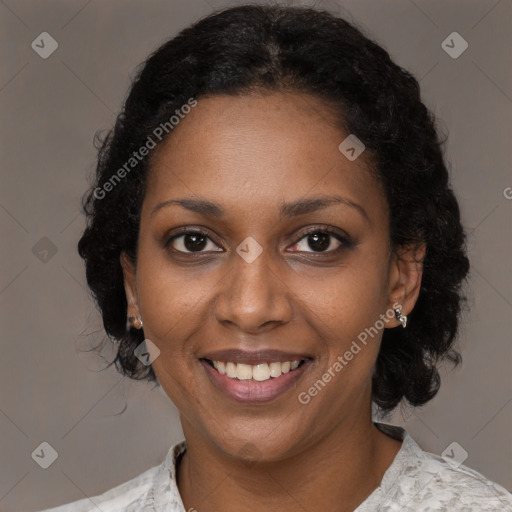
point(253, 391)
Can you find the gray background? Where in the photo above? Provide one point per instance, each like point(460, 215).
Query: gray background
point(107, 429)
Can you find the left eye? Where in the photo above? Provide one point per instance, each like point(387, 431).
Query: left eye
point(319, 241)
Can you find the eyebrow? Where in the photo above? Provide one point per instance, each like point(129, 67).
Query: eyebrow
point(287, 210)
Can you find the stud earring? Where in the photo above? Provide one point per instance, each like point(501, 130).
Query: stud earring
point(401, 318)
point(134, 321)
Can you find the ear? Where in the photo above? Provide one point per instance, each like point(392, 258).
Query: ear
point(406, 272)
point(130, 286)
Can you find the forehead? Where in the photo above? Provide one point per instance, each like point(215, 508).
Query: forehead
point(257, 149)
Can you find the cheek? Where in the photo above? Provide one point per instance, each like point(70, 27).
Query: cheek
point(348, 300)
point(345, 311)
point(169, 298)
point(171, 310)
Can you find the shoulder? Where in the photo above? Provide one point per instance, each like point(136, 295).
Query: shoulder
point(426, 482)
point(136, 494)
point(448, 486)
point(116, 499)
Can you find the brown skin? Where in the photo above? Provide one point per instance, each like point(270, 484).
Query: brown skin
point(249, 154)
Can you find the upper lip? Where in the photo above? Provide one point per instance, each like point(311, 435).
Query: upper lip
point(256, 357)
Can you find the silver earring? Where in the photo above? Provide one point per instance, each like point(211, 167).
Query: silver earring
point(401, 318)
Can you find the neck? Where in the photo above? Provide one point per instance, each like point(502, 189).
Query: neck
point(344, 468)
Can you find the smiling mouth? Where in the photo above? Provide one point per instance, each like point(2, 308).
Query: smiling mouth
point(258, 372)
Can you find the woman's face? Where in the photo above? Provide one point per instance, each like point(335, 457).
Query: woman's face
point(254, 281)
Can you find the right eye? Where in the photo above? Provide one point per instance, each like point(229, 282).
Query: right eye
point(191, 241)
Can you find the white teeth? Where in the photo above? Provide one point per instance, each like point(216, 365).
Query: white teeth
point(261, 372)
point(258, 372)
point(244, 371)
point(275, 369)
point(231, 370)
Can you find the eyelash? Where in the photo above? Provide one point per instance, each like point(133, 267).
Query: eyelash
point(345, 241)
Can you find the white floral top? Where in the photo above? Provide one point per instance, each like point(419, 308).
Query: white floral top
point(416, 481)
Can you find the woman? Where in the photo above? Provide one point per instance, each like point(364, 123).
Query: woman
point(273, 239)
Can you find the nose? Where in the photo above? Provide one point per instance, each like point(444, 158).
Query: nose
point(253, 297)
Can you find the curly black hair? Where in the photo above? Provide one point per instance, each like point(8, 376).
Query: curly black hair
point(276, 48)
